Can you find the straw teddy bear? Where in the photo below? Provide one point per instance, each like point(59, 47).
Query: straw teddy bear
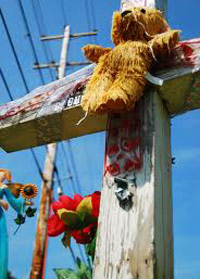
point(141, 37)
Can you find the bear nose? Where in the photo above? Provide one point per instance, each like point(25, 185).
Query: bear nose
point(125, 13)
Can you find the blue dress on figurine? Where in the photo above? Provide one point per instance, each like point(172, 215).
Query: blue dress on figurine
point(18, 204)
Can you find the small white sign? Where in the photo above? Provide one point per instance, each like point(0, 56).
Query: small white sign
point(74, 101)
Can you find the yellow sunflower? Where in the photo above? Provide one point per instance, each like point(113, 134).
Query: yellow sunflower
point(28, 191)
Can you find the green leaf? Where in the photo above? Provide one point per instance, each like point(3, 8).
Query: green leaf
point(65, 273)
point(78, 262)
point(19, 220)
point(30, 212)
point(70, 218)
point(90, 248)
point(83, 271)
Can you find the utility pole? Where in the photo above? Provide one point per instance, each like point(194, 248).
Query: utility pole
point(59, 37)
point(40, 247)
point(41, 238)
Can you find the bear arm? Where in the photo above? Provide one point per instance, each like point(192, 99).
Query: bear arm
point(162, 44)
point(93, 52)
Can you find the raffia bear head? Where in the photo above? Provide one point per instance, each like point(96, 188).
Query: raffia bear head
point(139, 23)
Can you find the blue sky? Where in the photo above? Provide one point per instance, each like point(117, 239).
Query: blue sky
point(88, 151)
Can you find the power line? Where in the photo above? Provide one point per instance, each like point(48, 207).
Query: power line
point(6, 85)
point(88, 15)
point(44, 26)
point(93, 19)
point(37, 163)
point(93, 15)
point(72, 253)
point(44, 46)
point(30, 38)
point(74, 165)
point(14, 51)
point(63, 12)
point(68, 168)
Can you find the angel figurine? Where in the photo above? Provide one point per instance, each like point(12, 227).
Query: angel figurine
point(12, 192)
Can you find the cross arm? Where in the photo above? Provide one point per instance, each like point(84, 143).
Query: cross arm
point(50, 113)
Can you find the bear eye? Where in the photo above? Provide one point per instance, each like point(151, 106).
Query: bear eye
point(125, 13)
point(143, 11)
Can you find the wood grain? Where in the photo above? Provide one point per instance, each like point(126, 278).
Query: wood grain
point(139, 243)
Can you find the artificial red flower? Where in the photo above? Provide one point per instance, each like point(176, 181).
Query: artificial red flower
point(96, 196)
point(55, 226)
point(86, 235)
point(76, 217)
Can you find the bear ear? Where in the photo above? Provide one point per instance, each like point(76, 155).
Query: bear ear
point(116, 28)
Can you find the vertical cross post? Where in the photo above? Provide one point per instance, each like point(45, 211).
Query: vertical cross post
point(135, 234)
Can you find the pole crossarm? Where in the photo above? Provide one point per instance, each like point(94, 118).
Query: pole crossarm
point(56, 65)
point(50, 113)
point(60, 37)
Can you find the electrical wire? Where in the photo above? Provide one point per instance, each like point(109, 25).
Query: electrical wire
point(63, 12)
point(93, 19)
point(74, 190)
point(44, 45)
point(88, 17)
point(93, 15)
point(30, 39)
point(74, 166)
point(72, 253)
point(44, 26)
point(6, 85)
point(13, 50)
point(74, 187)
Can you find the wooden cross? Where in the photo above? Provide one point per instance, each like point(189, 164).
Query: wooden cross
point(135, 235)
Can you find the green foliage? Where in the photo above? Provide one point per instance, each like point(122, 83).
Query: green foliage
point(30, 212)
point(90, 248)
point(82, 272)
point(20, 219)
point(63, 273)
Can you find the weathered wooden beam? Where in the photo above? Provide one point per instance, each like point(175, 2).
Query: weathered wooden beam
point(138, 242)
point(135, 232)
point(56, 121)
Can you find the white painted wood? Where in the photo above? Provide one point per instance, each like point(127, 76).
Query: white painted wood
point(139, 243)
point(63, 56)
point(21, 131)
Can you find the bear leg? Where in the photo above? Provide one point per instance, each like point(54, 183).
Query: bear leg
point(99, 83)
point(124, 92)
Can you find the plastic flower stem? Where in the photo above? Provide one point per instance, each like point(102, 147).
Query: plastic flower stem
point(88, 260)
point(18, 227)
point(88, 257)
